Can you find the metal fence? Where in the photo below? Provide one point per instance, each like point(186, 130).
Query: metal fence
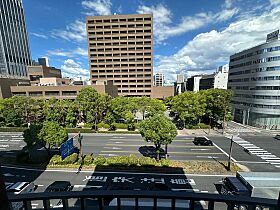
point(101, 196)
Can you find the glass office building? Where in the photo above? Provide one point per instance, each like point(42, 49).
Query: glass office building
point(14, 45)
point(254, 76)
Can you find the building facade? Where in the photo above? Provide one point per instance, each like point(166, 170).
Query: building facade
point(254, 76)
point(159, 79)
point(14, 45)
point(120, 49)
point(37, 72)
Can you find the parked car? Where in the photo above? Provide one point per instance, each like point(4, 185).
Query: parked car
point(277, 137)
point(202, 140)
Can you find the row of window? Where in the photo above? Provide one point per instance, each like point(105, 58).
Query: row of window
point(262, 69)
point(120, 49)
point(120, 60)
point(125, 37)
point(255, 88)
point(120, 65)
point(122, 71)
point(116, 20)
point(138, 31)
point(133, 86)
point(257, 96)
point(262, 60)
point(256, 105)
point(270, 49)
point(141, 25)
point(265, 78)
point(120, 76)
point(47, 93)
point(120, 54)
point(120, 43)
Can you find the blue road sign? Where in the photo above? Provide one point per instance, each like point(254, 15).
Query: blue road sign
point(66, 148)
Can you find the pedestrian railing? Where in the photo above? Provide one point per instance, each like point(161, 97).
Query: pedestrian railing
point(102, 197)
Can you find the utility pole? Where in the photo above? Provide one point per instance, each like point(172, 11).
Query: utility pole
point(230, 151)
point(80, 137)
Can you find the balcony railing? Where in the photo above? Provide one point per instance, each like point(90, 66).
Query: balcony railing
point(101, 196)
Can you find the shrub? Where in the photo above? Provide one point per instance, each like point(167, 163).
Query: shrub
point(55, 160)
point(71, 159)
point(120, 125)
point(203, 126)
point(112, 127)
point(22, 157)
point(87, 125)
point(131, 127)
point(118, 161)
point(146, 161)
point(133, 160)
point(103, 125)
point(88, 159)
point(100, 160)
point(165, 163)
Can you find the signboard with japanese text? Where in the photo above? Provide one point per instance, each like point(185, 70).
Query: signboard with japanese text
point(66, 148)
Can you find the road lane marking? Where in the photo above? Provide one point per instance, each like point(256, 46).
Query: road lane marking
point(254, 162)
point(113, 148)
point(200, 149)
point(224, 152)
point(4, 145)
point(139, 145)
point(182, 153)
point(209, 157)
point(115, 172)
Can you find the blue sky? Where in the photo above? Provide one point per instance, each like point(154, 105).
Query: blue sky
point(191, 36)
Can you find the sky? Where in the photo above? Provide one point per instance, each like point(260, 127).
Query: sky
point(190, 36)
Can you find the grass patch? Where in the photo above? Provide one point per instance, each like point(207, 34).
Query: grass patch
point(12, 129)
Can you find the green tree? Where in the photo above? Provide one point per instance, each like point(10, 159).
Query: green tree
point(31, 135)
point(159, 130)
point(53, 134)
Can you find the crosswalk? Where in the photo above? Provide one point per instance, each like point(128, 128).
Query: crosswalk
point(255, 150)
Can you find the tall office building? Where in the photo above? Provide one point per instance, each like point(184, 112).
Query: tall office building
point(44, 61)
point(14, 45)
point(254, 76)
point(121, 49)
point(159, 79)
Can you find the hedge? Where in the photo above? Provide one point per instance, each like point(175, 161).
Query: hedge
point(12, 129)
point(121, 161)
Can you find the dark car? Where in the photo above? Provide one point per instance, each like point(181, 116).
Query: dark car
point(58, 186)
point(202, 140)
point(277, 137)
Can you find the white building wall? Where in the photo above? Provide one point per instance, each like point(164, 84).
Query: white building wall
point(221, 77)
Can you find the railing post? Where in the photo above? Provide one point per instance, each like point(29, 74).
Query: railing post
point(136, 203)
point(155, 204)
point(191, 205)
point(65, 204)
point(5, 205)
point(210, 205)
point(101, 203)
point(27, 205)
point(46, 204)
point(82, 203)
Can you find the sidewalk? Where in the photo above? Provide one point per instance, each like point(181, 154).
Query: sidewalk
point(198, 132)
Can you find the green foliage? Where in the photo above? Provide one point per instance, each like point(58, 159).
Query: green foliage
point(55, 160)
point(131, 127)
point(146, 161)
point(103, 125)
point(71, 159)
point(165, 163)
point(120, 125)
point(159, 130)
point(118, 161)
point(88, 159)
point(31, 135)
point(132, 160)
point(53, 134)
point(99, 161)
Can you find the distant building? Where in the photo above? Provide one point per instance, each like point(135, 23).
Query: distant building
point(217, 80)
point(43, 61)
point(254, 76)
point(180, 84)
point(162, 92)
point(62, 91)
point(6, 83)
point(37, 72)
point(180, 78)
point(159, 79)
point(121, 50)
point(15, 54)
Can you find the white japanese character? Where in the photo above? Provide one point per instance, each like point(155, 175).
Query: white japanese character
point(182, 181)
point(122, 179)
point(152, 180)
point(96, 178)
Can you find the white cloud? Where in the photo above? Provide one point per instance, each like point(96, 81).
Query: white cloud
point(76, 31)
point(97, 7)
point(39, 35)
point(70, 68)
point(228, 4)
point(68, 53)
point(208, 50)
point(274, 2)
point(165, 28)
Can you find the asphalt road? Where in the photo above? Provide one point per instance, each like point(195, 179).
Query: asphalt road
point(89, 180)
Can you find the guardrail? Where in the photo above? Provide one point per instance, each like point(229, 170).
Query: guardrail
point(232, 201)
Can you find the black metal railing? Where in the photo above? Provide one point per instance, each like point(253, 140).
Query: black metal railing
point(231, 201)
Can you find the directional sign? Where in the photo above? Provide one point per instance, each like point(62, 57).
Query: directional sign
point(66, 148)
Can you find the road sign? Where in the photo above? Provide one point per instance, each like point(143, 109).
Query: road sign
point(66, 148)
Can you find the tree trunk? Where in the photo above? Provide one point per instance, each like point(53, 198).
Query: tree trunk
point(166, 155)
point(158, 152)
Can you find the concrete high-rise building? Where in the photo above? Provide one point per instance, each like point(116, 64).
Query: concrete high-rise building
point(14, 46)
point(180, 78)
point(159, 79)
point(254, 76)
point(120, 49)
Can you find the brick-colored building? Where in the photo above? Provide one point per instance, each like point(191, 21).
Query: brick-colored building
point(6, 83)
point(37, 72)
point(120, 49)
point(162, 92)
point(63, 91)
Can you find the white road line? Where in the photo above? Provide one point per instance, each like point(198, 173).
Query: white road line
point(266, 155)
point(277, 166)
point(254, 162)
point(253, 148)
point(188, 190)
point(224, 152)
point(4, 140)
point(204, 191)
point(116, 172)
point(40, 185)
point(269, 158)
point(34, 204)
point(274, 160)
point(4, 145)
